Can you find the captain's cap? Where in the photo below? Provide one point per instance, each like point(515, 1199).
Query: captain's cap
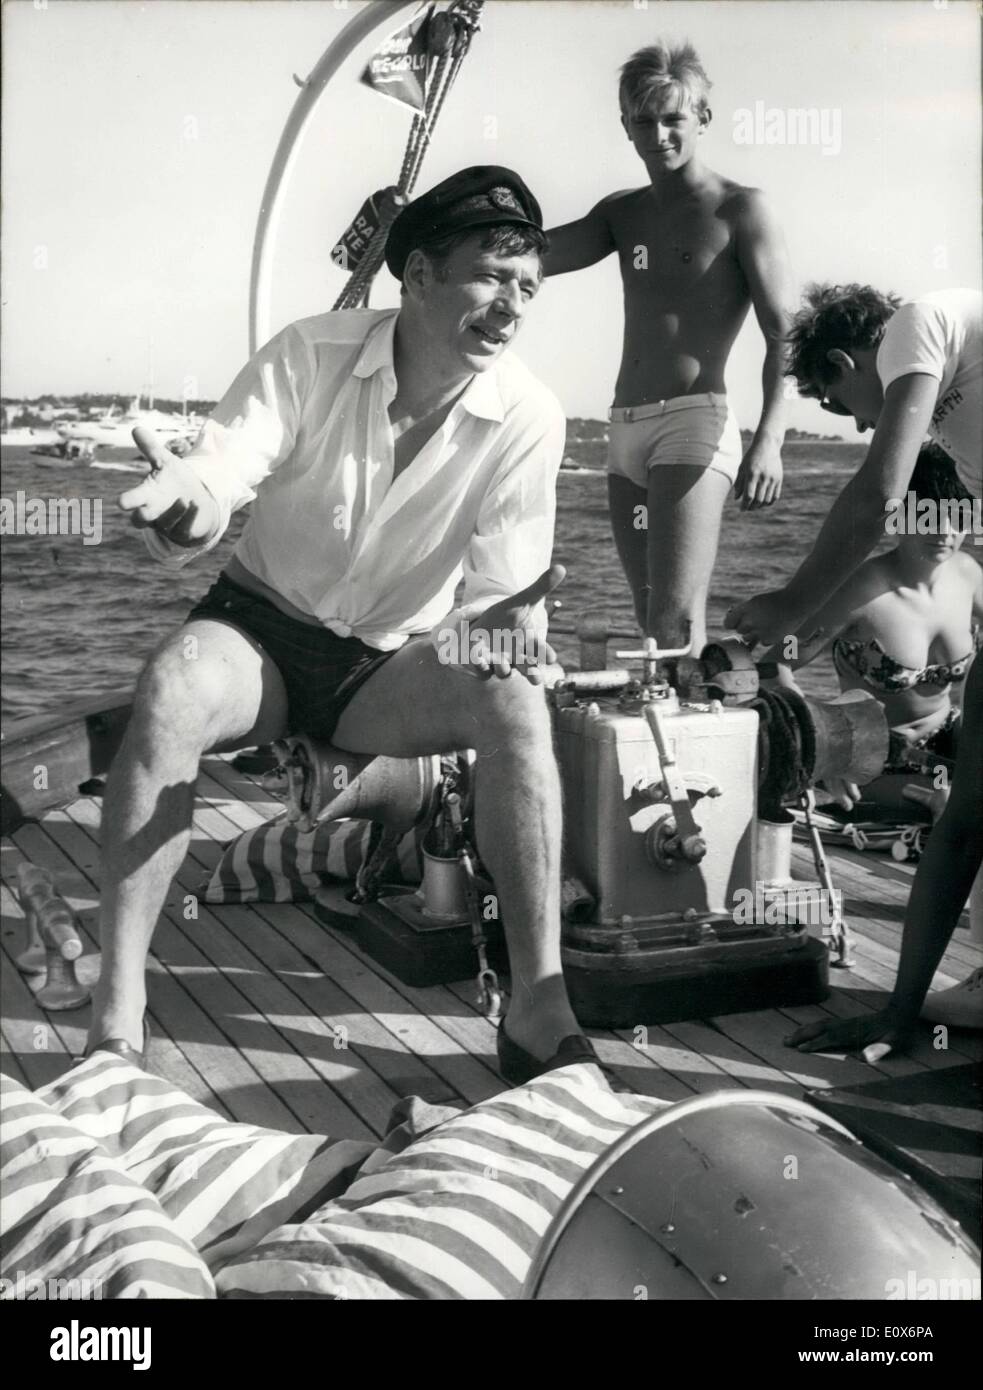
point(486, 195)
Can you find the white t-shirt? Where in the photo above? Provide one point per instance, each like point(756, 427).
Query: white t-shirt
point(941, 335)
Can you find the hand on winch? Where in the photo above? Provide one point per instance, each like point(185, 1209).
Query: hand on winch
point(841, 792)
point(172, 498)
point(505, 638)
point(766, 618)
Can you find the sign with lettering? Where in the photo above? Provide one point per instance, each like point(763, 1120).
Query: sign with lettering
point(399, 68)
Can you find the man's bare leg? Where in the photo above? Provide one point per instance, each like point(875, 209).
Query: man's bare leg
point(628, 509)
point(414, 705)
point(208, 686)
point(683, 508)
point(685, 505)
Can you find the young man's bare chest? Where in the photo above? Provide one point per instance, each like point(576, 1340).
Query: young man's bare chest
point(682, 253)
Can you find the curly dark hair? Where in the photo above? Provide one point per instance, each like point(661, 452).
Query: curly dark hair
point(934, 477)
point(834, 316)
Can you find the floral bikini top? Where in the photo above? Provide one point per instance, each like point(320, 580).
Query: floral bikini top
point(867, 659)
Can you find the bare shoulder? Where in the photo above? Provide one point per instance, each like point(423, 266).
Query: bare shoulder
point(750, 208)
point(968, 571)
point(617, 207)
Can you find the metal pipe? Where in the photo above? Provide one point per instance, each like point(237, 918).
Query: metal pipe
point(774, 846)
point(260, 280)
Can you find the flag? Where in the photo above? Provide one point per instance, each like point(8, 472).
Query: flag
point(399, 68)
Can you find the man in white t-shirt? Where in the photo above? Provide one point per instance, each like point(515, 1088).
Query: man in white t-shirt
point(905, 370)
point(908, 370)
point(387, 455)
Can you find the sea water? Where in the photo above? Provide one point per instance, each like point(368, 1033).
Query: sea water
point(79, 619)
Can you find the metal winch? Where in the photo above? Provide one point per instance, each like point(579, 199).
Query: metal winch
point(672, 910)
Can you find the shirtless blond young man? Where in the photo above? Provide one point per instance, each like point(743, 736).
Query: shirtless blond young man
point(696, 251)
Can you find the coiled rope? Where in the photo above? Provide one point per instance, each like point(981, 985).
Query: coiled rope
point(786, 749)
point(450, 38)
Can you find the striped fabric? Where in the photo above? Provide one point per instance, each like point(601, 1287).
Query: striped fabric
point(223, 1185)
point(460, 1213)
point(74, 1223)
point(277, 863)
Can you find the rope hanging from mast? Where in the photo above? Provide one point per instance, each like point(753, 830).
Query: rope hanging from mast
point(449, 38)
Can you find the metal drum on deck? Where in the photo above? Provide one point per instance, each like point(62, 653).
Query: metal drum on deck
point(747, 1195)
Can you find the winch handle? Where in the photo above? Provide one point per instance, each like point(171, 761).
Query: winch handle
point(691, 845)
point(652, 652)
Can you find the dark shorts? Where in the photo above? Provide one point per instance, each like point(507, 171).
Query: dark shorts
point(321, 671)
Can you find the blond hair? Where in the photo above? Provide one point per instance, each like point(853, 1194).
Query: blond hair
point(660, 67)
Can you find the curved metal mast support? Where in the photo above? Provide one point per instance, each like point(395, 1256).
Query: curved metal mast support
point(375, 14)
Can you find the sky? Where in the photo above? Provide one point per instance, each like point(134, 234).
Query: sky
point(137, 137)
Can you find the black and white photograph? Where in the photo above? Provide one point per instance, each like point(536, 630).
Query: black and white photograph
point(492, 745)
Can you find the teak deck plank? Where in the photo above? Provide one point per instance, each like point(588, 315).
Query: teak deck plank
point(250, 1006)
point(322, 995)
point(167, 999)
point(228, 1070)
point(234, 946)
point(25, 1025)
point(9, 1061)
point(732, 1057)
point(165, 1057)
point(247, 1000)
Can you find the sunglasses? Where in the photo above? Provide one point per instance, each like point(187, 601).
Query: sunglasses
point(833, 407)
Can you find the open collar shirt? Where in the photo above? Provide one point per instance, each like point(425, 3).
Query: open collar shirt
point(304, 435)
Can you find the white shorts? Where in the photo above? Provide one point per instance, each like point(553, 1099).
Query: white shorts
point(697, 430)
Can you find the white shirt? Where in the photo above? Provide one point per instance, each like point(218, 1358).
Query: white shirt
point(304, 434)
point(941, 335)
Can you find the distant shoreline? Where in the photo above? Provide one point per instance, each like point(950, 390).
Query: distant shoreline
point(41, 412)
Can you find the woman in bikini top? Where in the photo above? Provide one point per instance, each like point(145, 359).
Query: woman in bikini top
point(868, 660)
point(905, 624)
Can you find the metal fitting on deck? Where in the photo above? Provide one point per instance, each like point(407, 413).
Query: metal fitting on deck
point(53, 941)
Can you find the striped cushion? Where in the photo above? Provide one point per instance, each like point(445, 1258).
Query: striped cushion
point(277, 863)
point(223, 1185)
point(71, 1213)
point(460, 1213)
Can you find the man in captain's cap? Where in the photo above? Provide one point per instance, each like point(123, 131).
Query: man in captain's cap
point(386, 453)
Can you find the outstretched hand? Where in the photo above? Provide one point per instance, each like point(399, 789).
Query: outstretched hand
point(172, 498)
point(872, 1035)
point(504, 638)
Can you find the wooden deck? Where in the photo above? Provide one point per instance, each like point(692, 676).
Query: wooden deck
point(273, 1018)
